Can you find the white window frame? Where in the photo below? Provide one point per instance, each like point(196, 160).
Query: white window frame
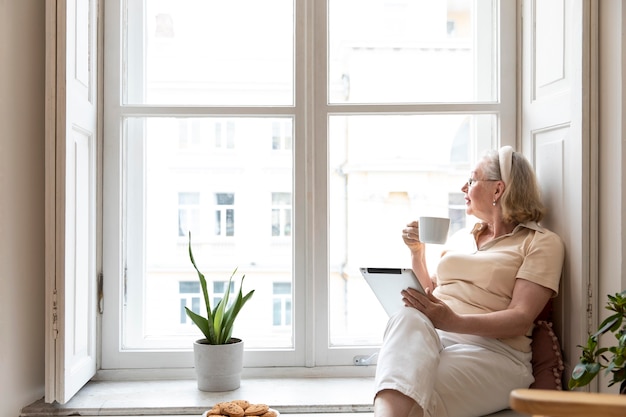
point(310, 215)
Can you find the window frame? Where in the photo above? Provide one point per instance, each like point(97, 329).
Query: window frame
point(310, 162)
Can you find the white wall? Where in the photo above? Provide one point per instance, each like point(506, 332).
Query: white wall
point(22, 52)
point(611, 140)
point(612, 153)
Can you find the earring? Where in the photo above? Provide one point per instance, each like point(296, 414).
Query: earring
point(494, 202)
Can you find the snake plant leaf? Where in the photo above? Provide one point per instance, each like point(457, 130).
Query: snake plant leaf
point(236, 308)
point(217, 326)
point(201, 322)
point(202, 280)
point(221, 329)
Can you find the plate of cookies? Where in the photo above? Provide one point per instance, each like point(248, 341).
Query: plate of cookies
point(240, 408)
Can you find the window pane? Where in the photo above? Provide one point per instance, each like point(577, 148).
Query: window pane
point(277, 317)
point(188, 198)
point(282, 304)
point(282, 288)
point(456, 211)
point(183, 312)
point(188, 213)
point(167, 186)
point(189, 287)
point(282, 135)
point(383, 51)
point(235, 52)
point(288, 222)
point(281, 214)
point(230, 222)
point(218, 287)
point(281, 199)
point(384, 171)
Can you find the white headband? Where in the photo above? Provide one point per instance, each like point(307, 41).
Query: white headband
point(505, 156)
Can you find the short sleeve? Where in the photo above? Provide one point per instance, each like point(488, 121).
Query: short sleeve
point(543, 262)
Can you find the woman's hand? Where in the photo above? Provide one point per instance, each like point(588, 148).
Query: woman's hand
point(528, 300)
point(436, 310)
point(411, 237)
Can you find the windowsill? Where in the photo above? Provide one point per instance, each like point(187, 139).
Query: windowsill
point(171, 392)
point(304, 396)
point(297, 395)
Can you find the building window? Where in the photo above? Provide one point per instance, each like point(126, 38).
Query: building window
point(225, 134)
point(219, 291)
point(281, 214)
point(281, 313)
point(189, 295)
point(282, 135)
point(188, 213)
point(456, 212)
point(192, 133)
point(224, 214)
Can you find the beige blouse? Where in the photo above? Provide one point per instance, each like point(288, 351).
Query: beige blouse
point(473, 281)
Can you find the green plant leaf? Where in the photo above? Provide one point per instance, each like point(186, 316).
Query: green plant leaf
point(205, 292)
point(613, 358)
point(221, 327)
point(230, 314)
point(210, 333)
point(619, 375)
point(607, 325)
point(236, 308)
point(201, 322)
point(583, 374)
point(218, 325)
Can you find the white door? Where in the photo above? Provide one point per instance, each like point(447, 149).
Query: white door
point(71, 178)
point(556, 138)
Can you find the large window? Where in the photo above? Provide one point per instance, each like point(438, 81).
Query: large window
point(293, 140)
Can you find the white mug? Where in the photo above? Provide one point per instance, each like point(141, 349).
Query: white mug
point(433, 229)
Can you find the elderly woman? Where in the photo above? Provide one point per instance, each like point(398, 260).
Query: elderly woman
point(460, 349)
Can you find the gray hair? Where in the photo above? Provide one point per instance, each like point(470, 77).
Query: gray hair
point(521, 200)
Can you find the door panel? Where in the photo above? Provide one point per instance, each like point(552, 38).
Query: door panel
point(556, 138)
point(71, 190)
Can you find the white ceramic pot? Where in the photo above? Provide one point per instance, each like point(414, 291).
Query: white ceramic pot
point(218, 367)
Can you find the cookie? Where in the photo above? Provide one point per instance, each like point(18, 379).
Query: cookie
point(257, 409)
point(215, 411)
point(270, 413)
point(233, 410)
point(242, 403)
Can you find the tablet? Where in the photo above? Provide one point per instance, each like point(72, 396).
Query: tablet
point(387, 283)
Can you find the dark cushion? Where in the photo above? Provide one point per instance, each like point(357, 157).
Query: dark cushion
point(547, 359)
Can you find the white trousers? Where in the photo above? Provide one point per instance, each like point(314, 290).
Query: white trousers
point(448, 374)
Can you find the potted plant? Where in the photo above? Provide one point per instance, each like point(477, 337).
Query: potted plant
point(612, 358)
point(218, 357)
